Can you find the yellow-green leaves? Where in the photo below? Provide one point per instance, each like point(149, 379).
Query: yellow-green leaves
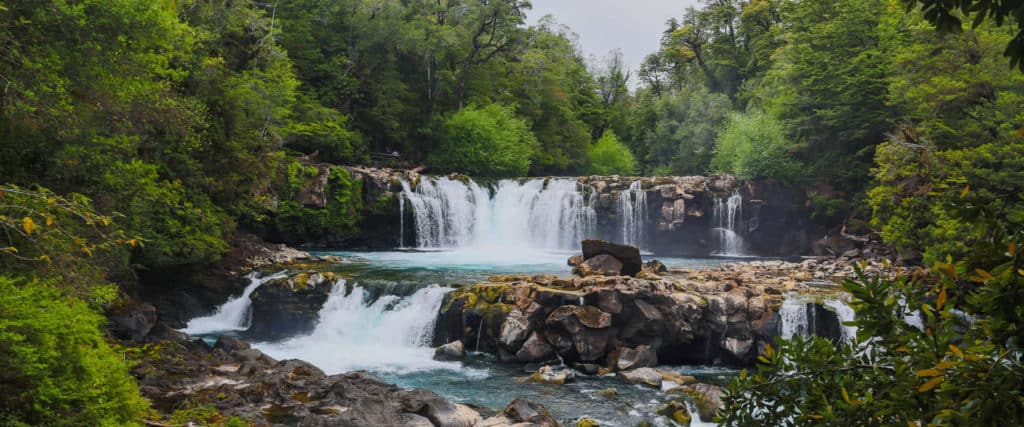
point(28, 225)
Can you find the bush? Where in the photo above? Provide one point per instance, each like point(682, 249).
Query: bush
point(608, 156)
point(488, 141)
point(753, 145)
point(57, 368)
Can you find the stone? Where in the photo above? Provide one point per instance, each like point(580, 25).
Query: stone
point(230, 344)
point(608, 393)
point(535, 349)
point(133, 322)
point(629, 256)
point(587, 422)
point(453, 351)
point(552, 375)
point(515, 330)
point(600, 265)
point(648, 376)
point(676, 411)
point(590, 344)
point(708, 398)
point(609, 300)
point(522, 410)
point(631, 358)
point(655, 266)
point(676, 378)
point(289, 306)
point(575, 260)
point(679, 210)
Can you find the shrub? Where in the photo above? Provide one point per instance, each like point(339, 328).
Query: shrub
point(753, 145)
point(488, 141)
point(57, 368)
point(609, 156)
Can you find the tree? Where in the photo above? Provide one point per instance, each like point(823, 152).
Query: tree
point(608, 156)
point(948, 16)
point(753, 145)
point(489, 141)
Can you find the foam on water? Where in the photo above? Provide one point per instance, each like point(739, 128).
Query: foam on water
point(390, 334)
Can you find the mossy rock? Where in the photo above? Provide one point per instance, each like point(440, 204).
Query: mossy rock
point(676, 411)
point(609, 393)
point(587, 422)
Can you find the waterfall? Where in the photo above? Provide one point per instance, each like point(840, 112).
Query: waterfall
point(510, 215)
point(727, 214)
point(233, 315)
point(355, 332)
point(401, 221)
point(633, 214)
point(798, 316)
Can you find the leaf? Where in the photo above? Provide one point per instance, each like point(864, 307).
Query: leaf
point(846, 396)
point(50, 220)
point(932, 383)
point(1020, 271)
point(956, 350)
point(941, 300)
point(133, 242)
point(11, 249)
point(768, 350)
point(946, 364)
point(28, 225)
point(902, 349)
point(1012, 249)
point(963, 193)
point(928, 373)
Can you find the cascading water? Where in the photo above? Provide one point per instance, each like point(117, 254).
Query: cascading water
point(234, 314)
point(389, 334)
point(551, 214)
point(794, 319)
point(798, 317)
point(633, 212)
point(727, 215)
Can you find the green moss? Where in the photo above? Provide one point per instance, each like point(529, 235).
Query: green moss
point(587, 422)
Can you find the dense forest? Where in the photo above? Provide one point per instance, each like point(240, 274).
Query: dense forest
point(141, 134)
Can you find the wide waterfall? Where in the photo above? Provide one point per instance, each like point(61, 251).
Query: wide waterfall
point(234, 314)
point(633, 214)
point(799, 317)
point(728, 214)
point(550, 214)
point(355, 331)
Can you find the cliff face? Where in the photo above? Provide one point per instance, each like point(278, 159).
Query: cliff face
point(680, 216)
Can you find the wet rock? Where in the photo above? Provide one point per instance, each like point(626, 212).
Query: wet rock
point(608, 393)
point(676, 378)
point(525, 411)
point(600, 265)
point(133, 322)
point(676, 411)
point(629, 256)
point(162, 332)
point(575, 260)
point(648, 376)
point(453, 351)
point(587, 422)
point(289, 306)
point(552, 375)
point(707, 397)
point(631, 358)
point(230, 344)
point(655, 266)
point(535, 349)
point(516, 328)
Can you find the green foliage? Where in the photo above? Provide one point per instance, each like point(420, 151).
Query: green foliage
point(340, 215)
point(962, 365)
point(488, 141)
point(58, 370)
point(753, 145)
point(205, 415)
point(948, 17)
point(608, 156)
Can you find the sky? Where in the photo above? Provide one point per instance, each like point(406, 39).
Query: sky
point(633, 26)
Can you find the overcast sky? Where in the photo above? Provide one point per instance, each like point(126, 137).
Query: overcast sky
point(634, 26)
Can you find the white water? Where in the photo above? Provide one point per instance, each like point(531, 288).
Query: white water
point(514, 216)
point(233, 315)
point(633, 212)
point(727, 215)
point(797, 319)
point(391, 334)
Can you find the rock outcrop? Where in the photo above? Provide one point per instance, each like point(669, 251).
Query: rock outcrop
point(236, 380)
point(289, 306)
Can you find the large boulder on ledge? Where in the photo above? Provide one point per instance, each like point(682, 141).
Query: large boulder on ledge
point(629, 256)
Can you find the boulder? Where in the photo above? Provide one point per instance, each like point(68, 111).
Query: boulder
point(525, 411)
point(708, 399)
point(625, 359)
point(655, 266)
point(629, 256)
point(599, 265)
point(552, 375)
point(289, 306)
point(133, 322)
point(575, 260)
point(535, 349)
point(453, 351)
point(230, 344)
point(676, 411)
point(516, 329)
point(648, 376)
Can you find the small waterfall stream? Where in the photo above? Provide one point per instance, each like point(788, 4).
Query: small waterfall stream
point(390, 333)
point(728, 214)
point(633, 213)
point(234, 314)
